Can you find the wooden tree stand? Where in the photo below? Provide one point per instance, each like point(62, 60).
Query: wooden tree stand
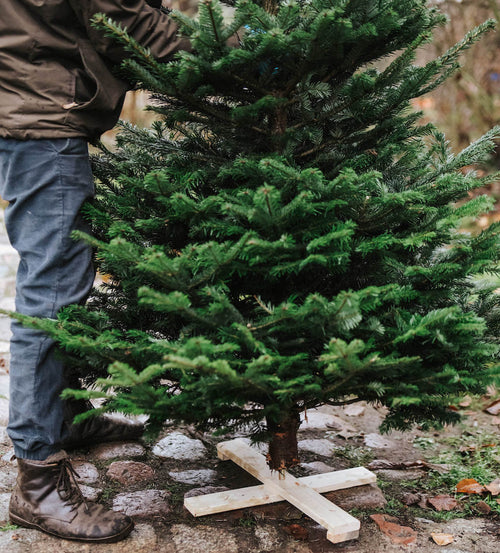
point(303, 493)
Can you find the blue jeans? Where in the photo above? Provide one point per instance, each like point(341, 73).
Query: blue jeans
point(45, 183)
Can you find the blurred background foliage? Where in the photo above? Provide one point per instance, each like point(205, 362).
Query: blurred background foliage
point(464, 107)
point(468, 104)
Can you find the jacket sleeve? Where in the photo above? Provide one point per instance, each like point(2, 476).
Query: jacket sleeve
point(150, 27)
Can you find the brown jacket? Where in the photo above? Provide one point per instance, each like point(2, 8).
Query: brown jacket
point(57, 74)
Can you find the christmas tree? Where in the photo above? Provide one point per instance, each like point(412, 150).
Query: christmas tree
point(287, 235)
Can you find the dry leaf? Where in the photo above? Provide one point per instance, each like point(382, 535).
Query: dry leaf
point(494, 487)
point(390, 526)
point(495, 420)
point(491, 390)
point(411, 498)
point(442, 539)
point(347, 433)
point(493, 408)
point(483, 508)
point(297, 531)
point(469, 485)
point(443, 502)
point(465, 402)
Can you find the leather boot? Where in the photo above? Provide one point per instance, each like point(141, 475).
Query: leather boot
point(95, 430)
point(47, 497)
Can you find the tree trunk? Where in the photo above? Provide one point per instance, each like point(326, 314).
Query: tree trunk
point(283, 449)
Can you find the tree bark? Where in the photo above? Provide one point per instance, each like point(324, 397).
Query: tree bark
point(283, 449)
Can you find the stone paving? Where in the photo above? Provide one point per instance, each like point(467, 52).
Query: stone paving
point(149, 481)
point(8, 267)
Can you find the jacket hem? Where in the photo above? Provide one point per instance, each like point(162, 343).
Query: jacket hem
point(41, 133)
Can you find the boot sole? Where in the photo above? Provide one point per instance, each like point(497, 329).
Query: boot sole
point(108, 539)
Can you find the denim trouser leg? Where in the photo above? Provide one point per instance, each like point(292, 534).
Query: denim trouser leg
point(45, 182)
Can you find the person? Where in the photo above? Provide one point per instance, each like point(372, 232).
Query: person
point(59, 90)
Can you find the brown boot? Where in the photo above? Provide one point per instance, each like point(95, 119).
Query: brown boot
point(47, 497)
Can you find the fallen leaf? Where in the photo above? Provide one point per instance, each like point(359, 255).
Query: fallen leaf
point(390, 526)
point(465, 402)
point(411, 498)
point(453, 408)
point(297, 531)
point(493, 408)
point(347, 433)
point(494, 487)
point(483, 508)
point(383, 518)
point(491, 390)
point(495, 420)
point(469, 485)
point(442, 539)
point(443, 502)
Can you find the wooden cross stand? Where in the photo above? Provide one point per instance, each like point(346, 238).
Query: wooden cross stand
point(303, 493)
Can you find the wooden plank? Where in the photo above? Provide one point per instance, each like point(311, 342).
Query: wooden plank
point(243, 498)
point(339, 479)
point(341, 526)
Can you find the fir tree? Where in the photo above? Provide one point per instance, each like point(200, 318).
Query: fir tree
point(288, 234)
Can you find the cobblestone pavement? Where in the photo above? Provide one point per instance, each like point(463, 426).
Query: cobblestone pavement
point(149, 482)
point(8, 267)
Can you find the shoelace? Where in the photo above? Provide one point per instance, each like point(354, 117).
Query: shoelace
point(67, 485)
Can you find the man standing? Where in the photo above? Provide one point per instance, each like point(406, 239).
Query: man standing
point(57, 91)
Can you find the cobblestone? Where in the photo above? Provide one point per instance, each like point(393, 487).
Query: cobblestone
point(105, 452)
point(198, 476)
point(8, 267)
point(178, 446)
point(378, 441)
point(317, 467)
point(130, 472)
point(4, 411)
point(208, 540)
point(143, 503)
point(320, 447)
point(90, 493)
point(87, 472)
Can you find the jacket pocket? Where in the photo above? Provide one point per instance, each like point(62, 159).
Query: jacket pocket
point(96, 88)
